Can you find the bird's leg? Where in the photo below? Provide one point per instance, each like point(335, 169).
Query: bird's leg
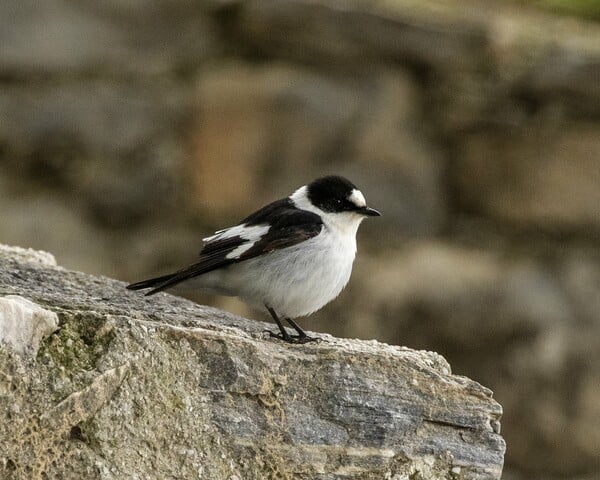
point(285, 336)
point(302, 337)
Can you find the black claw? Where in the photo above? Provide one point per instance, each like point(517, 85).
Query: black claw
point(302, 337)
point(295, 339)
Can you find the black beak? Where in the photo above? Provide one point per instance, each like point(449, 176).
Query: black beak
point(370, 212)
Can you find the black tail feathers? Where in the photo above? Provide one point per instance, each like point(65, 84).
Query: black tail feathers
point(154, 283)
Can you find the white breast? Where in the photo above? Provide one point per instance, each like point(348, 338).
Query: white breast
point(295, 281)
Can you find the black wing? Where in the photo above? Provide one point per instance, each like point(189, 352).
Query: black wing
point(273, 227)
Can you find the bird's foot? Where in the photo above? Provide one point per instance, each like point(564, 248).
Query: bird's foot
point(297, 339)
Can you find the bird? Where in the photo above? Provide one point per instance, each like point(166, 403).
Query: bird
point(292, 256)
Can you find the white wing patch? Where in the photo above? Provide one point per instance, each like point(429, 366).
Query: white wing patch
point(239, 251)
point(247, 233)
point(357, 198)
point(251, 234)
point(216, 235)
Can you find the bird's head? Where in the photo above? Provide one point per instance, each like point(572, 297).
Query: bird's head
point(336, 199)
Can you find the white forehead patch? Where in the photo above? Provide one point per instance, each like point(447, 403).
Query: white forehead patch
point(357, 198)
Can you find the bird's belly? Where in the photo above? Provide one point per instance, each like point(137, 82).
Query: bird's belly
point(295, 281)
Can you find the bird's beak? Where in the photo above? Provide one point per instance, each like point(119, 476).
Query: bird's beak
point(370, 212)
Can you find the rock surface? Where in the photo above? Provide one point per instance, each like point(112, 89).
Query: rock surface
point(23, 324)
point(131, 387)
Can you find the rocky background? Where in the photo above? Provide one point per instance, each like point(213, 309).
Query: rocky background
point(130, 129)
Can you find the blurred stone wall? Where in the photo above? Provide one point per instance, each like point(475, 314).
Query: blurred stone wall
point(130, 129)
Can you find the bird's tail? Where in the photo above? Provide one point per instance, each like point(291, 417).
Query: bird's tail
point(154, 283)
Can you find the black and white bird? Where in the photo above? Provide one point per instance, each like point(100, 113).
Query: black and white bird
point(293, 256)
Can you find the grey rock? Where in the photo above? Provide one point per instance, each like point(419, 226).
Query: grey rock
point(554, 179)
point(113, 37)
point(29, 255)
point(131, 386)
point(72, 139)
point(23, 324)
point(327, 33)
point(106, 117)
point(274, 121)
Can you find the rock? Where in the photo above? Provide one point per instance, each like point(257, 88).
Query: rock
point(330, 34)
point(118, 37)
point(23, 324)
point(106, 118)
point(259, 128)
point(28, 255)
point(461, 293)
point(568, 74)
point(76, 243)
point(544, 175)
point(132, 385)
